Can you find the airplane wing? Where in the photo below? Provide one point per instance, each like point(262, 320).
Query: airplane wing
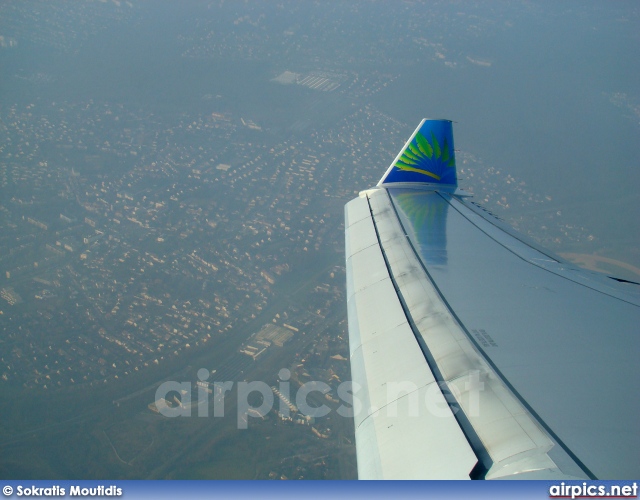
point(475, 354)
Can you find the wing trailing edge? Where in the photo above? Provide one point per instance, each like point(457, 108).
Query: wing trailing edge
point(392, 379)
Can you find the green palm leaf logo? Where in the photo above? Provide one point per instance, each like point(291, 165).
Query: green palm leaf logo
point(429, 158)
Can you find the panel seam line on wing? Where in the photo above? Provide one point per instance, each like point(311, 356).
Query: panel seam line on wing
point(467, 429)
point(523, 258)
point(528, 407)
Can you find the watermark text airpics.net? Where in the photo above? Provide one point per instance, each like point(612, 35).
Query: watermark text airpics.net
point(174, 399)
point(593, 490)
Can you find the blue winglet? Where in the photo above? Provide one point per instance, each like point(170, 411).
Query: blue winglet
point(427, 157)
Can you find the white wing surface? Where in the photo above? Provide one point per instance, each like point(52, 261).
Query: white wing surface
point(478, 355)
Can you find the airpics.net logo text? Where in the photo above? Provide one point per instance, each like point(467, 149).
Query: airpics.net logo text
point(174, 399)
point(593, 490)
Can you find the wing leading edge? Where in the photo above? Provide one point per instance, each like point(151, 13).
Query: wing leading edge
point(480, 356)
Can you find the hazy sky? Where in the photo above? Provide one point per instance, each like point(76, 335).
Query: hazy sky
point(545, 91)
